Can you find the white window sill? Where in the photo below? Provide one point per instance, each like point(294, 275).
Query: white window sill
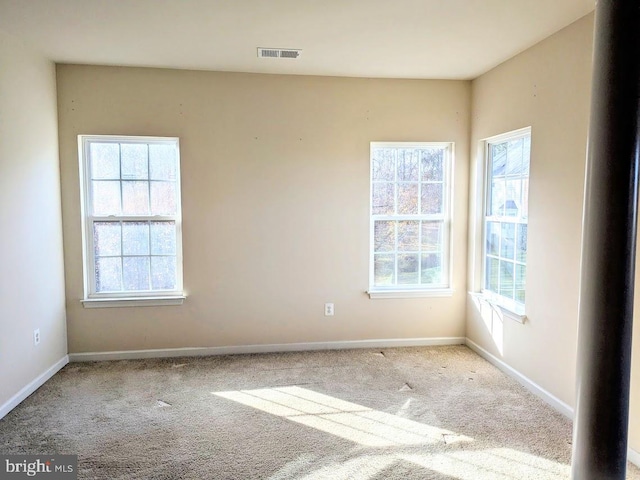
point(133, 301)
point(439, 292)
point(504, 310)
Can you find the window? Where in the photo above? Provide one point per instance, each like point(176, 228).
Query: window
point(131, 220)
point(505, 219)
point(410, 220)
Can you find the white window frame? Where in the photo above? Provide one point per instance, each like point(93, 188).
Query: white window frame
point(508, 307)
point(92, 298)
point(442, 289)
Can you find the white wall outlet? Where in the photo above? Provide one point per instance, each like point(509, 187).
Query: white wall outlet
point(328, 309)
point(36, 337)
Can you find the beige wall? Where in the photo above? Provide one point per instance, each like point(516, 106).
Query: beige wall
point(31, 272)
point(275, 173)
point(548, 88)
point(634, 414)
point(275, 203)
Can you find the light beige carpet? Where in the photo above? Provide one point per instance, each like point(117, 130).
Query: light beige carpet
point(411, 413)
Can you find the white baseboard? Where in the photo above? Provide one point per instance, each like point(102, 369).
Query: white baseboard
point(14, 401)
point(555, 402)
point(267, 348)
point(533, 387)
point(633, 457)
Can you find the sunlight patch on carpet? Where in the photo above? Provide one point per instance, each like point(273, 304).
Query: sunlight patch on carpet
point(373, 428)
point(491, 464)
point(347, 420)
point(364, 467)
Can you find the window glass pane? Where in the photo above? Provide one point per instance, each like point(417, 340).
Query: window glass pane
point(408, 269)
point(498, 155)
point(127, 176)
point(408, 165)
point(431, 268)
point(383, 199)
point(526, 155)
point(514, 158)
point(431, 236)
point(506, 279)
point(408, 239)
point(163, 238)
point(513, 198)
point(384, 236)
point(106, 238)
point(493, 274)
point(135, 274)
point(521, 273)
point(106, 197)
point(108, 274)
point(408, 185)
point(135, 198)
point(407, 198)
point(432, 160)
point(135, 238)
point(383, 164)
point(493, 238)
point(508, 198)
point(135, 163)
point(163, 273)
point(521, 243)
point(508, 240)
point(162, 162)
point(163, 198)
point(105, 160)
point(432, 200)
point(384, 269)
point(524, 211)
point(497, 201)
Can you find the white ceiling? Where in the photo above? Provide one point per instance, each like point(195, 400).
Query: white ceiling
point(458, 39)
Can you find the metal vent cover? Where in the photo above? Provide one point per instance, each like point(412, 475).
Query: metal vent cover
point(278, 53)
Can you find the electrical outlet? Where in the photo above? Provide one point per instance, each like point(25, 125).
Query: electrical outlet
point(328, 309)
point(36, 337)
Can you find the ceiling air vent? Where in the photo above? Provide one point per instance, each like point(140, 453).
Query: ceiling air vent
point(278, 53)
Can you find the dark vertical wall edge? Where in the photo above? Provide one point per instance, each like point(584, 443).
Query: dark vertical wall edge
point(608, 247)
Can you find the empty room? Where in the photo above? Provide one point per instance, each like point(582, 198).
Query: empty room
point(346, 240)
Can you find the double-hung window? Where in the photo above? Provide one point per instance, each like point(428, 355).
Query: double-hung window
point(131, 220)
point(410, 219)
point(505, 219)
